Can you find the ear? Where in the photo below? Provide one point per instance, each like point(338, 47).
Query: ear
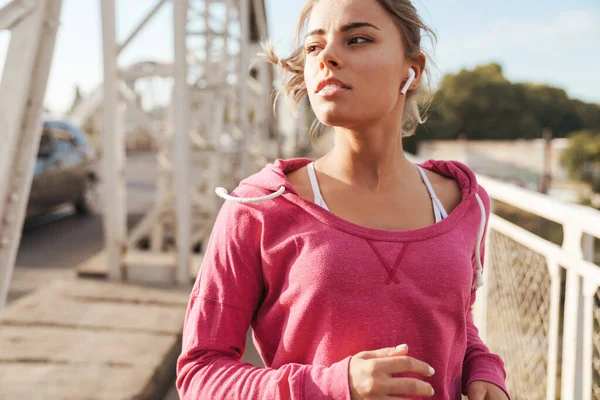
point(411, 77)
point(417, 68)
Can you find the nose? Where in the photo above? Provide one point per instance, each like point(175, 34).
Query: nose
point(329, 58)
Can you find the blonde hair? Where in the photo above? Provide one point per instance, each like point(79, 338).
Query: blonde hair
point(410, 25)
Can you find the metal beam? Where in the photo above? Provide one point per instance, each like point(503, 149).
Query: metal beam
point(140, 26)
point(22, 91)
point(113, 143)
point(12, 13)
point(242, 85)
point(182, 141)
point(261, 18)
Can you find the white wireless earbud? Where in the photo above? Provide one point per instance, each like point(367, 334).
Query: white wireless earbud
point(409, 81)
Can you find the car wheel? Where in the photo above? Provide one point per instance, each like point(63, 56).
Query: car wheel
point(89, 203)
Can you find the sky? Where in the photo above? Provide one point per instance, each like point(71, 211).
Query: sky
point(543, 41)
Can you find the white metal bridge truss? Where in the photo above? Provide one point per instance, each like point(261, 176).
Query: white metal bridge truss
point(221, 119)
point(220, 125)
point(33, 26)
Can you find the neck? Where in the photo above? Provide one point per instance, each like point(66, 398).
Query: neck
point(371, 159)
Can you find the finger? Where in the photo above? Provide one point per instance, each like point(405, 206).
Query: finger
point(403, 364)
point(385, 352)
point(407, 386)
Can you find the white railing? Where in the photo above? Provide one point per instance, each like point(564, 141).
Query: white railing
point(519, 309)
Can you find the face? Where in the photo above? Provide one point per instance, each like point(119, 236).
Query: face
point(355, 64)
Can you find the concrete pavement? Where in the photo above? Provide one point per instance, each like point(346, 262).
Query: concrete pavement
point(91, 339)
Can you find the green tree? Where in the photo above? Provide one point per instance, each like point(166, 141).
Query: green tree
point(582, 157)
point(551, 107)
point(588, 113)
point(482, 104)
point(477, 104)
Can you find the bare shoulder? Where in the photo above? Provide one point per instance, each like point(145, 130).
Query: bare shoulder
point(448, 190)
point(299, 180)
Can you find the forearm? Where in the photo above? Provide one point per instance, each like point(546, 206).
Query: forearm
point(211, 375)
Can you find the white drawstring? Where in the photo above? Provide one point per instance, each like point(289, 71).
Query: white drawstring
point(224, 194)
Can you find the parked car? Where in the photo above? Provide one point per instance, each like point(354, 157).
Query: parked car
point(65, 171)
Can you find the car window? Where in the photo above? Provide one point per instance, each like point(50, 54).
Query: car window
point(46, 143)
point(62, 135)
point(62, 140)
point(80, 137)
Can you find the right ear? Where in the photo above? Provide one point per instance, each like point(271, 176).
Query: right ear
point(409, 81)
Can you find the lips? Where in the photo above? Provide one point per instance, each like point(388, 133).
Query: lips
point(331, 82)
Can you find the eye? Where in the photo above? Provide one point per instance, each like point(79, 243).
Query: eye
point(359, 40)
point(311, 48)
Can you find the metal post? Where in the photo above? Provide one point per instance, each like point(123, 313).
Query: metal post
point(301, 127)
point(244, 17)
point(113, 177)
point(182, 142)
point(586, 322)
point(546, 177)
point(571, 331)
point(589, 292)
point(554, 271)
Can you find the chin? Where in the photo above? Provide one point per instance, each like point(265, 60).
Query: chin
point(336, 115)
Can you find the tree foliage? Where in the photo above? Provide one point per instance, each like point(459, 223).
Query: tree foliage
point(582, 157)
point(482, 104)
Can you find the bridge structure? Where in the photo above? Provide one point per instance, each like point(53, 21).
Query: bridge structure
point(219, 123)
point(539, 307)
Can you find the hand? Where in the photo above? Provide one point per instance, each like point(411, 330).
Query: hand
point(480, 390)
point(370, 375)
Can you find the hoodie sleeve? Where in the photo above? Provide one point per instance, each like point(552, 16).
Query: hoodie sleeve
point(480, 364)
point(224, 299)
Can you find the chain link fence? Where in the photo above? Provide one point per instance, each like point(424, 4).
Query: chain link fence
point(518, 315)
point(596, 349)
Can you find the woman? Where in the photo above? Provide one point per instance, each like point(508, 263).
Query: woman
point(335, 263)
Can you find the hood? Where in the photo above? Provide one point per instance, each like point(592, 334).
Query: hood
point(271, 182)
point(272, 178)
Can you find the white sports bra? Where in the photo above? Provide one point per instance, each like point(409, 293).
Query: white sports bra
point(438, 208)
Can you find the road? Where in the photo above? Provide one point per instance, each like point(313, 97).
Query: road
point(53, 245)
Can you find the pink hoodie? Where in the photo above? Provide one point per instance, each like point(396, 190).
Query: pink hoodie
point(317, 289)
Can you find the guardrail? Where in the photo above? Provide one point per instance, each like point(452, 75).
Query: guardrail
point(549, 347)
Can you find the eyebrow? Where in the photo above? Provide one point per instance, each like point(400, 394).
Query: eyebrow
point(345, 28)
